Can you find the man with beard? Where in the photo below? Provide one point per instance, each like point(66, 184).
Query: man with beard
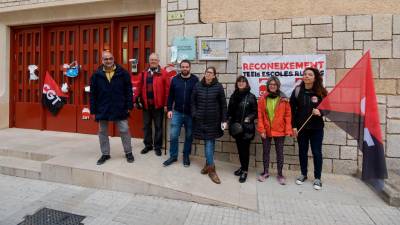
point(179, 111)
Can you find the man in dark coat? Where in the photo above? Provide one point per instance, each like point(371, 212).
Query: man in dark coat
point(179, 111)
point(111, 100)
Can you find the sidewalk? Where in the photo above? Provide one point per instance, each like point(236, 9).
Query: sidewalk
point(148, 188)
point(344, 200)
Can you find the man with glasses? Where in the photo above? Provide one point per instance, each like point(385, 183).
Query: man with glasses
point(153, 89)
point(111, 100)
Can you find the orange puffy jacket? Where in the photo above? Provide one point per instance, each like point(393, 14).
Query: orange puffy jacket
point(281, 124)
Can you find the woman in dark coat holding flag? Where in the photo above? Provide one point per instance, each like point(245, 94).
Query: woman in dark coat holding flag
point(307, 122)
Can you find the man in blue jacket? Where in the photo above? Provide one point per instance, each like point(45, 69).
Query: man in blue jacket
point(111, 100)
point(179, 107)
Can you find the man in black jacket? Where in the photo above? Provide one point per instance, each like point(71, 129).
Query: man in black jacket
point(111, 100)
point(179, 110)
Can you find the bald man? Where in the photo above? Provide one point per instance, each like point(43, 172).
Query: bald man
point(111, 100)
point(153, 89)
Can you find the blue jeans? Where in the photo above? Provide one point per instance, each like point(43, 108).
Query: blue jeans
point(209, 147)
point(179, 119)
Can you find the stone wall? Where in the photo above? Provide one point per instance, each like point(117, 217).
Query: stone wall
point(342, 38)
point(14, 3)
point(240, 10)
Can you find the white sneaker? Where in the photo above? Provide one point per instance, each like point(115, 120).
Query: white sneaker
point(317, 184)
point(300, 180)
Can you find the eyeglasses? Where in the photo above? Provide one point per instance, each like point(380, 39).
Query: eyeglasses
point(209, 72)
point(272, 85)
point(111, 58)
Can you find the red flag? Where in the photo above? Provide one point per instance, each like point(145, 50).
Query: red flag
point(352, 105)
point(53, 98)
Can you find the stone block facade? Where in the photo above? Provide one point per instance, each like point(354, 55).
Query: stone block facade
point(343, 39)
point(16, 3)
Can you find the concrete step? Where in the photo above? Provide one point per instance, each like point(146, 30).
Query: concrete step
point(20, 167)
point(23, 154)
point(391, 190)
point(72, 160)
point(147, 176)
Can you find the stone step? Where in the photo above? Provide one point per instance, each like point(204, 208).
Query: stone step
point(147, 176)
point(72, 160)
point(23, 154)
point(20, 167)
point(391, 190)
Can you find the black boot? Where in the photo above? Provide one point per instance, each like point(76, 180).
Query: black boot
point(103, 159)
point(186, 161)
point(243, 177)
point(146, 150)
point(158, 152)
point(238, 172)
point(169, 161)
point(129, 157)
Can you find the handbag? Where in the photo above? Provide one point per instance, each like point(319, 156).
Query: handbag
point(236, 128)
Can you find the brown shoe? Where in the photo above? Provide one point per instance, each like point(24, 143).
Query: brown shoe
point(213, 175)
point(204, 170)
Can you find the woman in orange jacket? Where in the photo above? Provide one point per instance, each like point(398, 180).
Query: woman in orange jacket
point(274, 122)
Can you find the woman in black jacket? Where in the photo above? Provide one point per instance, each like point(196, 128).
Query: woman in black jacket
point(242, 109)
point(209, 117)
point(304, 101)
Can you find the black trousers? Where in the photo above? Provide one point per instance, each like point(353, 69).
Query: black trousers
point(313, 137)
point(149, 116)
point(243, 147)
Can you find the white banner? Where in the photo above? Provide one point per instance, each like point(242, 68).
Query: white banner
point(288, 68)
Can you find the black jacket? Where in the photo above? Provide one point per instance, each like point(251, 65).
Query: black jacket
point(243, 105)
point(302, 107)
point(111, 100)
point(208, 110)
point(180, 92)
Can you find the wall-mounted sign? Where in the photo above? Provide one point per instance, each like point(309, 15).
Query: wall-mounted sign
point(176, 15)
point(185, 48)
point(213, 48)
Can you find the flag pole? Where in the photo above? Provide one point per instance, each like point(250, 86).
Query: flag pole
point(304, 123)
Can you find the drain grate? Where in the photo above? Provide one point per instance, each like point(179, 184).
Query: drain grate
point(46, 216)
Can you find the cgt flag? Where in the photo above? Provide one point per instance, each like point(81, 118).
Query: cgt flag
point(352, 106)
point(53, 99)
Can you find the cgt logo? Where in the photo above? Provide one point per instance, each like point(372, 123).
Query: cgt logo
point(51, 94)
point(262, 86)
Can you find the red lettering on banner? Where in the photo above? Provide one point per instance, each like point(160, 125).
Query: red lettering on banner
point(299, 65)
point(314, 65)
point(263, 66)
point(282, 65)
point(321, 64)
